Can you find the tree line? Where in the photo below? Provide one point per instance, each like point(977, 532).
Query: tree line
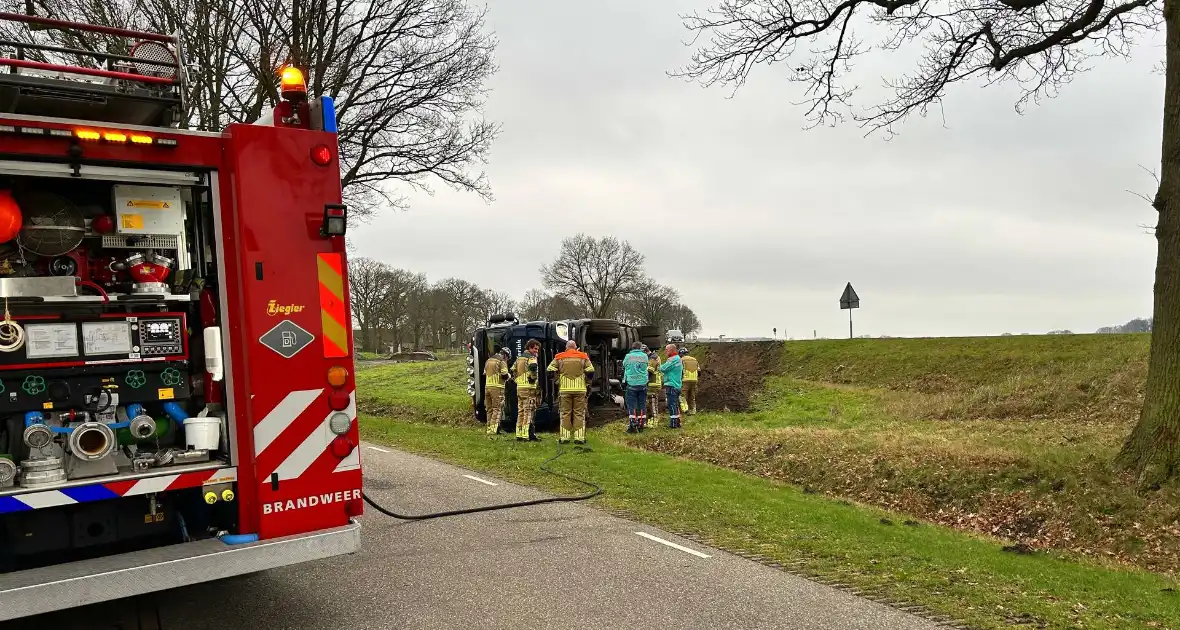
point(599, 278)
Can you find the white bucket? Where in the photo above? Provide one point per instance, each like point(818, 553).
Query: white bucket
point(202, 434)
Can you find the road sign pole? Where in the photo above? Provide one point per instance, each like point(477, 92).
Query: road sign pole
point(849, 300)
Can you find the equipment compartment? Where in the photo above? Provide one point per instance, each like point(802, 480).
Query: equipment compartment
point(101, 283)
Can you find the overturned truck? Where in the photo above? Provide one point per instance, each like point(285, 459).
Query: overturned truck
point(606, 341)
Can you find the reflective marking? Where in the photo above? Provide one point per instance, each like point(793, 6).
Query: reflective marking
point(151, 484)
point(352, 462)
point(474, 478)
point(282, 416)
point(673, 545)
point(312, 447)
point(82, 494)
point(50, 498)
point(333, 308)
point(379, 450)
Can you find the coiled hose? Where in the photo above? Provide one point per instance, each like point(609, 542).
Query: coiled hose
point(12, 336)
point(597, 490)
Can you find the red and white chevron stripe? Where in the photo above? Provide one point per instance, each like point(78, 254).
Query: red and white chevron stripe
point(290, 439)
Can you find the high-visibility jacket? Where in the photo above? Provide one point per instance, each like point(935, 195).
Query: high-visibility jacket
point(655, 378)
point(524, 372)
point(495, 372)
point(692, 368)
point(571, 368)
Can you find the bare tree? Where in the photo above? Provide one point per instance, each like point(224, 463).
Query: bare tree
point(497, 302)
point(407, 76)
point(595, 273)
point(652, 305)
point(458, 306)
point(401, 287)
point(532, 305)
point(1039, 45)
point(368, 285)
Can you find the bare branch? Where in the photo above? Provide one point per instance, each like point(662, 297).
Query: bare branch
point(407, 76)
point(1039, 44)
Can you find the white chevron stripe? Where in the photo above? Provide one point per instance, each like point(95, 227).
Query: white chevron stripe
point(352, 462)
point(282, 416)
point(49, 498)
point(150, 485)
point(312, 447)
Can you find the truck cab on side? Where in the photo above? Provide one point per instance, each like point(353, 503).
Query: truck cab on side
point(606, 341)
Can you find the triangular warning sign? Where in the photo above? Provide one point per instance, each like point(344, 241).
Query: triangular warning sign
point(166, 205)
point(849, 299)
point(130, 204)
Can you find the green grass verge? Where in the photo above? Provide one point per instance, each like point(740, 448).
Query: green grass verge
point(428, 390)
point(950, 572)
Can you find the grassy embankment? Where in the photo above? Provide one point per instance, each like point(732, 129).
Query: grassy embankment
point(1007, 436)
point(934, 428)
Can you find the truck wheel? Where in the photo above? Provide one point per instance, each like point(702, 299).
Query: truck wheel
point(655, 343)
point(649, 331)
point(604, 327)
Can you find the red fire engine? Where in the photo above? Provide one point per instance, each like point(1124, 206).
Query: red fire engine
point(177, 400)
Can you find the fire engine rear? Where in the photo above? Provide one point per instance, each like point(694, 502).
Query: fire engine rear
point(176, 394)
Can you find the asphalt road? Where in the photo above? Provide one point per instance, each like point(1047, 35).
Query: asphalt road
point(551, 566)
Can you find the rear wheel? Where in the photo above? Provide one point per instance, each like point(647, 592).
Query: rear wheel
point(654, 343)
point(604, 327)
point(627, 336)
point(649, 331)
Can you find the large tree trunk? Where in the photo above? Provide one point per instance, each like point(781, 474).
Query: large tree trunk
point(1153, 449)
point(366, 337)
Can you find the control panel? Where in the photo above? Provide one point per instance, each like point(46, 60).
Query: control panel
point(160, 337)
point(99, 341)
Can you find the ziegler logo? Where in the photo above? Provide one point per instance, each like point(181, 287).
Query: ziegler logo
point(274, 308)
point(275, 507)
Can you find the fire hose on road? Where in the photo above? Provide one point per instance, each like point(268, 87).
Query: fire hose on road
point(596, 490)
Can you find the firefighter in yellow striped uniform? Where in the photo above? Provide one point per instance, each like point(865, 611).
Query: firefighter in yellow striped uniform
point(524, 372)
point(692, 372)
point(495, 375)
point(571, 369)
point(655, 387)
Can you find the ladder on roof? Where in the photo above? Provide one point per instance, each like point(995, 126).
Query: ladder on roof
point(145, 87)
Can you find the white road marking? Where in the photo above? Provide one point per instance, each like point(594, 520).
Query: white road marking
point(474, 478)
point(378, 449)
point(673, 545)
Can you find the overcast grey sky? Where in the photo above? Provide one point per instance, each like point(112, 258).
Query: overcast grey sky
point(987, 222)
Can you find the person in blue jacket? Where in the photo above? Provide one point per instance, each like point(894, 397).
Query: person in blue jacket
point(635, 378)
point(673, 371)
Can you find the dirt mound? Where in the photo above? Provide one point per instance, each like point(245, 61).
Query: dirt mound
point(734, 372)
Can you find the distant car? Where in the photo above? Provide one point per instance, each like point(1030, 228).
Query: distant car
point(675, 336)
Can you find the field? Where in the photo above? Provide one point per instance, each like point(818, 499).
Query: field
point(853, 455)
